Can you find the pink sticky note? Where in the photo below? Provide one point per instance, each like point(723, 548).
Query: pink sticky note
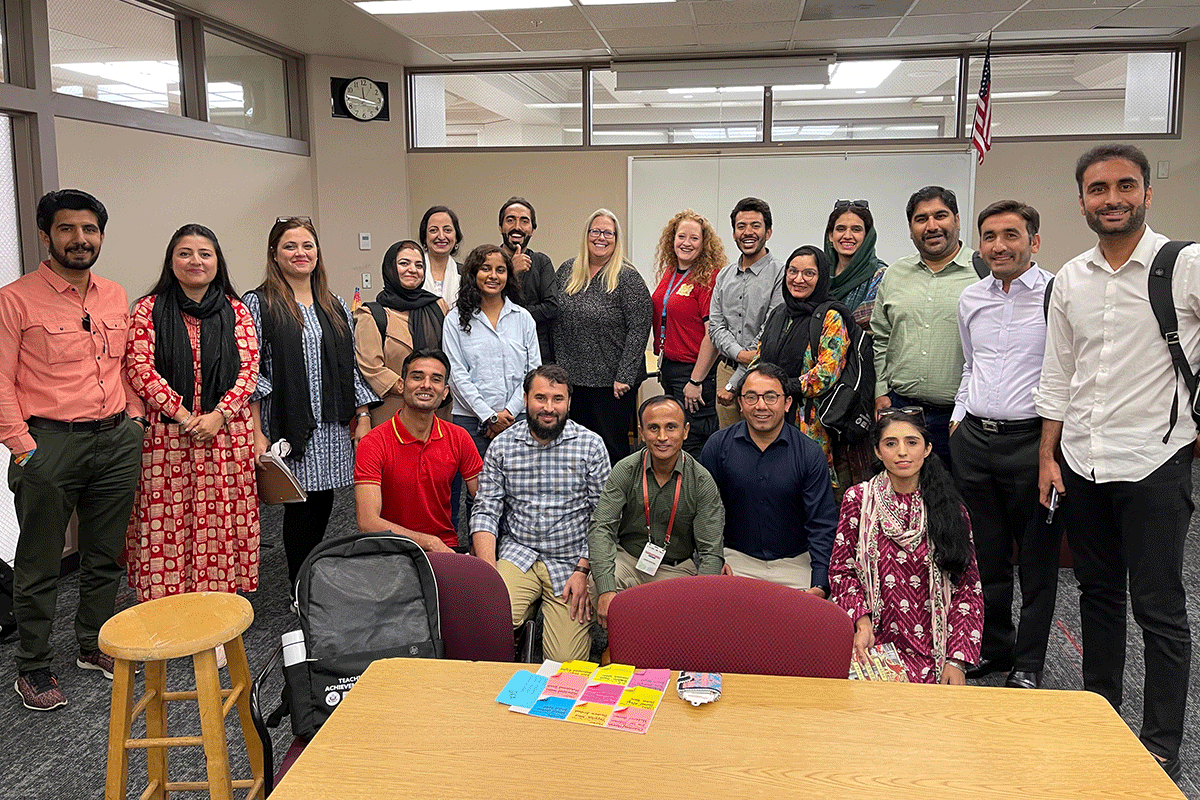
point(606, 693)
point(636, 720)
point(565, 685)
point(651, 678)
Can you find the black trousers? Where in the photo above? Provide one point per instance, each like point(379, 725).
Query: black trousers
point(997, 475)
point(303, 528)
point(673, 376)
point(1135, 529)
point(596, 409)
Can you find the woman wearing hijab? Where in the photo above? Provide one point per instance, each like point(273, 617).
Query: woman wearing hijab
point(309, 386)
point(404, 317)
point(850, 248)
point(193, 358)
point(785, 340)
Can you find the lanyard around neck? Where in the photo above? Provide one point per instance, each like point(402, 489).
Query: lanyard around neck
point(646, 498)
point(672, 285)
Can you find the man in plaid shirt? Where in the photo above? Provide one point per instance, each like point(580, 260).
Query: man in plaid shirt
point(541, 481)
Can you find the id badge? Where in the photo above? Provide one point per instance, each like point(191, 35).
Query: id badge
point(652, 556)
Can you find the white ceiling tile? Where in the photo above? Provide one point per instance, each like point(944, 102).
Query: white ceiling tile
point(949, 24)
point(854, 9)
point(1086, 5)
point(539, 20)
point(467, 44)
point(737, 11)
point(565, 40)
point(1161, 17)
point(674, 36)
point(1065, 20)
point(654, 15)
point(925, 7)
point(819, 29)
point(745, 33)
point(437, 24)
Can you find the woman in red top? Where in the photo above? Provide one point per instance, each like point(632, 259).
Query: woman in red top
point(193, 358)
point(687, 260)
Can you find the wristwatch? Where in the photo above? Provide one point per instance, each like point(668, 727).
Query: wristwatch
point(694, 382)
point(492, 420)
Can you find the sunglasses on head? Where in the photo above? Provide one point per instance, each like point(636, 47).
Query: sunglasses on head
point(910, 412)
point(302, 220)
point(839, 204)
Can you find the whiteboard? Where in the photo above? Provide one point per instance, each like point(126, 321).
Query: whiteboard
point(800, 189)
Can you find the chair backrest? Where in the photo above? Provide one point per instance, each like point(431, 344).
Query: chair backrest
point(475, 609)
point(717, 623)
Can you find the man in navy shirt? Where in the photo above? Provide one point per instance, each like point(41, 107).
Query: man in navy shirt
point(780, 518)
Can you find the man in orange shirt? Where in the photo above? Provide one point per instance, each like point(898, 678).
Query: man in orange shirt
point(75, 431)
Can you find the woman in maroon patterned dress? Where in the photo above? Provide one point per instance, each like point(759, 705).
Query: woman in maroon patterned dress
point(193, 358)
point(903, 566)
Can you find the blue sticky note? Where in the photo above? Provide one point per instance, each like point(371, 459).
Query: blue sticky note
point(522, 690)
point(552, 708)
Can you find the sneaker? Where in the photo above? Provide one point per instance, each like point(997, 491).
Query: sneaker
point(39, 690)
point(96, 659)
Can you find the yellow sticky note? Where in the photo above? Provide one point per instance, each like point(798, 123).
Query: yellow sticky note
point(640, 697)
point(577, 668)
point(590, 714)
point(614, 673)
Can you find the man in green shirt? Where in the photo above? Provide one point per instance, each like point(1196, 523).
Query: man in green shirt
point(918, 351)
point(677, 496)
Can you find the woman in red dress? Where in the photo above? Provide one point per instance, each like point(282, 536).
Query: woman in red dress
point(193, 358)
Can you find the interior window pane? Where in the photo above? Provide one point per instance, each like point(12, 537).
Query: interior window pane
point(684, 115)
point(870, 99)
point(115, 51)
point(1078, 93)
point(539, 108)
point(3, 45)
point(246, 88)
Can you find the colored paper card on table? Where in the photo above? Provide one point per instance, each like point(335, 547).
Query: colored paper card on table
point(608, 693)
point(566, 685)
point(624, 718)
point(590, 714)
point(522, 690)
point(552, 708)
point(614, 673)
point(640, 697)
point(651, 678)
point(585, 668)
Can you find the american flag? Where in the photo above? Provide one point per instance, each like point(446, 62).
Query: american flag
point(981, 135)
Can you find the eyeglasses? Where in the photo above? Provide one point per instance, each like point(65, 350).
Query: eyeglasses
point(847, 203)
point(596, 233)
point(302, 220)
point(807, 274)
point(912, 412)
point(752, 398)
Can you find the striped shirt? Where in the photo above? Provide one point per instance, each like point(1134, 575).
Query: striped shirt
point(328, 461)
point(545, 495)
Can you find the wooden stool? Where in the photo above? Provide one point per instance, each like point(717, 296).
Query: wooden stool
point(173, 627)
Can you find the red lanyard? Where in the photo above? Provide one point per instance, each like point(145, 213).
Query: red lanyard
point(646, 499)
point(672, 285)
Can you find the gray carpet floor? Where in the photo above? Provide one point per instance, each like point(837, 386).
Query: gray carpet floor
point(62, 754)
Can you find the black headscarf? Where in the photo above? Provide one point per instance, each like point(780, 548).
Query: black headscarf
point(786, 331)
point(291, 409)
point(173, 358)
point(425, 315)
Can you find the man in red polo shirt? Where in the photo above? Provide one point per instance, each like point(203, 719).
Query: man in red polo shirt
point(404, 467)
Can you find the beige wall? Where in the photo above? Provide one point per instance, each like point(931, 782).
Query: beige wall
point(358, 175)
point(566, 187)
point(152, 183)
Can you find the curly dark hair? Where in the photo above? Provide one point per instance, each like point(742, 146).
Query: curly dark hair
point(469, 296)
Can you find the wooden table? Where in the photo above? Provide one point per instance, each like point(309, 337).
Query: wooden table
point(431, 729)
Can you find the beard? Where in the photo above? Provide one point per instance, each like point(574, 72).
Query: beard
point(547, 433)
point(524, 245)
point(62, 258)
point(1135, 220)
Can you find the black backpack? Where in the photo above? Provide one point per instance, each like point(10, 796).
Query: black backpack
point(360, 598)
point(847, 408)
point(1162, 302)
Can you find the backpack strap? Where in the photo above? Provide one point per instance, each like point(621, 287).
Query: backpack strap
point(981, 269)
point(816, 323)
point(1046, 298)
point(380, 317)
point(1162, 302)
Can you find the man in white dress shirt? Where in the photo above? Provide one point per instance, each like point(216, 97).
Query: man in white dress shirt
point(1106, 394)
point(994, 442)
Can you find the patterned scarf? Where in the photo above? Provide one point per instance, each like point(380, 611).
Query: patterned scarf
point(882, 514)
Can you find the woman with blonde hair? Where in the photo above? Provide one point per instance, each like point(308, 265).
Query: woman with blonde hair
point(309, 386)
point(686, 262)
point(601, 331)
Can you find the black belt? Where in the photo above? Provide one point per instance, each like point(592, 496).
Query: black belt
point(1006, 425)
point(87, 426)
point(669, 562)
point(928, 408)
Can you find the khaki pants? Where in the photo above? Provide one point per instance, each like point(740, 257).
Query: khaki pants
point(795, 572)
point(628, 575)
point(728, 415)
point(563, 639)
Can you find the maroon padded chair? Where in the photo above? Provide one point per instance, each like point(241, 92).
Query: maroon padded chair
point(475, 609)
point(717, 623)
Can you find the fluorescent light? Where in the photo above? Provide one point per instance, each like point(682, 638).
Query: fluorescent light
point(619, 2)
point(911, 127)
point(439, 6)
point(860, 74)
point(153, 75)
point(688, 90)
point(846, 101)
point(819, 130)
point(799, 87)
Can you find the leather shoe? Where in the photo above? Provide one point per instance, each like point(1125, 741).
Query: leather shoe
point(1172, 766)
point(989, 665)
point(1023, 680)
